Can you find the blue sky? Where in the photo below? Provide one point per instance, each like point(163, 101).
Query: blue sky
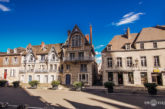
point(33, 21)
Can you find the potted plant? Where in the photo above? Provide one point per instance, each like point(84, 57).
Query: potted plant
point(78, 85)
point(16, 84)
point(109, 85)
point(33, 84)
point(3, 83)
point(55, 84)
point(151, 87)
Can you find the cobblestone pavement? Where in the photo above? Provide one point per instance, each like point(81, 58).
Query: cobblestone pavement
point(90, 99)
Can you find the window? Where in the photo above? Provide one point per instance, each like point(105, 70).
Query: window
point(72, 56)
point(155, 44)
point(129, 61)
point(6, 60)
point(119, 62)
point(110, 76)
point(142, 45)
point(143, 61)
point(31, 58)
point(109, 62)
point(156, 61)
point(109, 47)
point(53, 57)
point(83, 68)
point(67, 67)
point(15, 50)
point(55, 67)
point(83, 77)
point(81, 55)
point(30, 78)
point(46, 79)
point(15, 60)
point(127, 46)
point(38, 78)
point(52, 77)
point(42, 57)
point(130, 78)
point(51, 67)
point(76, 41)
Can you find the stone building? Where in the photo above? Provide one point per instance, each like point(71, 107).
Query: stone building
point(10, 63)
point(78, 58)
point(41, 63)
point(135, 58)
point(67, 62)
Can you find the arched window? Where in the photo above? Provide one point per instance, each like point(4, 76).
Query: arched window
point(76, 41)
point(53, 56)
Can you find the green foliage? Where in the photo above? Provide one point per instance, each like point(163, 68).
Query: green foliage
point(16, 84)
point(3, 83)
point(55, 83)
point(151, 87)
point(109, 85)
point(77, 84)
point(33, 83)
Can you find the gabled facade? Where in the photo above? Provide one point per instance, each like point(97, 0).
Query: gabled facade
point(78, 58)
point(40, 62)
point(135, 58)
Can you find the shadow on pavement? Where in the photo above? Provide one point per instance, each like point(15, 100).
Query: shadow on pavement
point(132, 99)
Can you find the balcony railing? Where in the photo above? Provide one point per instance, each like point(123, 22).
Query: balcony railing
point(22, 71)
point(52, 70)
point(42, 61)
point(30, 70)
point(78, 59)
point(41, 71)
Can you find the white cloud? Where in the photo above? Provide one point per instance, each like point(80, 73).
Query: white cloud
point(4, 8)
point(99, 46)
point(128, 18)
point(99, 59)
point(98, 53)
point(5, 1)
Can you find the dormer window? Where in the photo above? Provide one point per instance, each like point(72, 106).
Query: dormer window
point(155, 44)
point(128, 46)
point(8, 51)
point(6, 60)
point(142, 45)
point(53, 56)
point(15, 50)
point(76, 41)
point(109, 47)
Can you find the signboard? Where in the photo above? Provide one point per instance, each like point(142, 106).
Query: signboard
point(156, 70)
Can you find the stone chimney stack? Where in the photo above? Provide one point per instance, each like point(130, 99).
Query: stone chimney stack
point(128, 33)
point(91, 34)
point(29, 46)
point(42, 45)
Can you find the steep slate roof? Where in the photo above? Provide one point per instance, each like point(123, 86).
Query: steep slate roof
point(147, 34)
point(37, 49)
point(152, 34)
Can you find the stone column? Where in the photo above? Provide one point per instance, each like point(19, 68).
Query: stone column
point(125, 78)
point(137, 78)
point(115, 78)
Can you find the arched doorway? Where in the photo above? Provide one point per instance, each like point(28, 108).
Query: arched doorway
point(67, 80)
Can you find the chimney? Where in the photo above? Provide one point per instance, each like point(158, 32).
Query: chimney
point(29, 46)
point(128, 33)
point(91, 34)
point(69, 33)
point(87, 37)
point(42, 45)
